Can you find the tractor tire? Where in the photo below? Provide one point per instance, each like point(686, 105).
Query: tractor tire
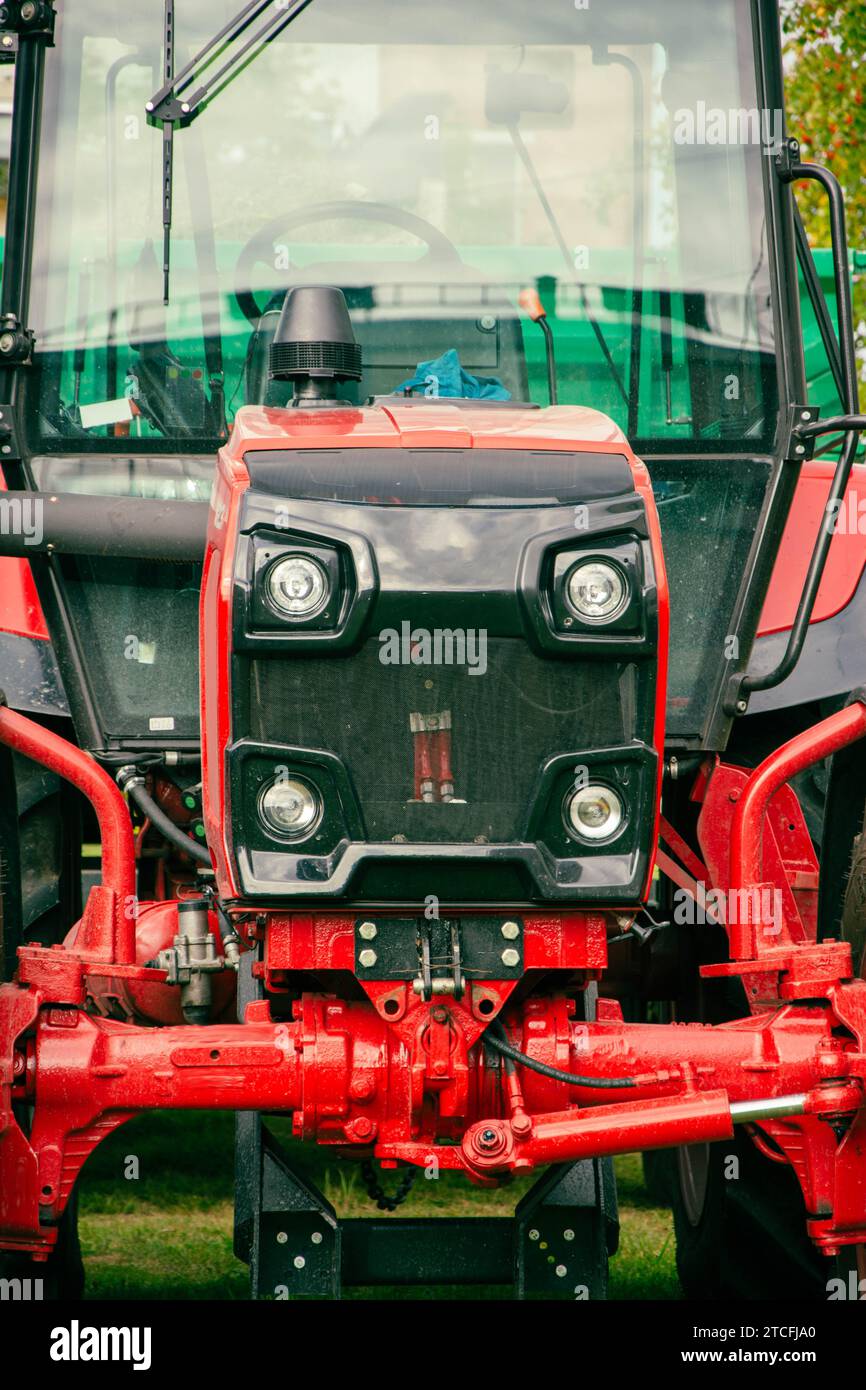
point(854, 903)
point(740, 1226)
point(40, 894)
point(659, 1174)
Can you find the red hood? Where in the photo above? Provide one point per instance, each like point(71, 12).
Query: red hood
point(427, 426)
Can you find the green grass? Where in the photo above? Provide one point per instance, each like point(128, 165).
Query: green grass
point(167, 1234)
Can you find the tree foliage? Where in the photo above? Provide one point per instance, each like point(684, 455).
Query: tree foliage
point(825, 57)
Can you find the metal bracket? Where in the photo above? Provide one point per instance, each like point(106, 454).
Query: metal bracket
point(33, 19)
point(786, 160)
point(16, 341)
point(438, 955)
point(799, 447)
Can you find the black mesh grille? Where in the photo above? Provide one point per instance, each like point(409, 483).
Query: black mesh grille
point(297, 359)
point(505, 724)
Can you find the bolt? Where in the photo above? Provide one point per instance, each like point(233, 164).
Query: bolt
point(367, 930)
point(805, 414)
point(439, 1014)
point(742, 706)
point(367, 959)
point(316, 1237)
point(800, 449)
point(184, 106)
point(299, 1262)
point(510, 956)
point(7, 42)
point(534, 1235)
point(510, 930)
point(561, 1271)
point(568, 1234)
point(362, 1127)
point(7, 342)
point(28, 11)
point(281, 1237)
point(148, 106)
point(487, 1138)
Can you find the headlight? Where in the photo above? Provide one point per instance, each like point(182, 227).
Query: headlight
point(594, 812)
point(290, 808)
point(597, 591)
point(297, 586)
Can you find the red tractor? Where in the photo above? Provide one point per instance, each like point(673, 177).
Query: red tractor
point(432, 655)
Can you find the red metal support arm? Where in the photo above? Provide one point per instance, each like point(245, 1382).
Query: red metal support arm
point(116, 939)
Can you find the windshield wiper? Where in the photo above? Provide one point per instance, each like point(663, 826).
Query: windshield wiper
point(179, 100)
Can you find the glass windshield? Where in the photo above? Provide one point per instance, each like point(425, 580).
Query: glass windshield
point(607, 156)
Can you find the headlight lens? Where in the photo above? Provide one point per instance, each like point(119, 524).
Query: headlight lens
point(290, 808)
point(597, 591)
point(297, 586)
point(594, 812)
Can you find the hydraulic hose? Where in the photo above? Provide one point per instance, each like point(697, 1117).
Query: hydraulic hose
point(499, 1043)
point(132, 782)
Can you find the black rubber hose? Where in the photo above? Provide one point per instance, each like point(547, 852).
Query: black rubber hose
point(164, 824)
point(505, 1049)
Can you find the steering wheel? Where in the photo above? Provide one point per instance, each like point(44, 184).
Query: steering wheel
point(260, 246)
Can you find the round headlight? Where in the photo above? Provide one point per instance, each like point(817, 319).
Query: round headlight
point(298, 586)
point(597, 591)
point(594, 812)
point(290, 808)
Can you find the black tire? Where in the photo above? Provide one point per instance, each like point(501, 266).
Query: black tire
point(40, 896)
point(659, 1174)
point(854, 903)
point(739, 1217)
point(740, 1226)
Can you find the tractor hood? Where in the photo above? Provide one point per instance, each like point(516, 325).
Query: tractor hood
point(392, 421)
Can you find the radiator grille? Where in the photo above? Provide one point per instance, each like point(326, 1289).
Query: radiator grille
point(504, 725)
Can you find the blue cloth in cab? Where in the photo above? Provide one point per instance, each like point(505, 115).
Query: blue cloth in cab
point(444, 376)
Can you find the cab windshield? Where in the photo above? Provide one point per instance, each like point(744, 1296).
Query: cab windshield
point(609, 157)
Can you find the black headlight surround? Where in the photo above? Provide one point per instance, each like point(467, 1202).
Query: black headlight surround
point(624, 557)
point(349, 564)
point(553, 625)
point(266, 554)
point(630, 771)
point(252, 767)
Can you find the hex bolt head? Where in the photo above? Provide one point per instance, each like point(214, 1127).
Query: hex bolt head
point(510, 930)
point(561, 1271)
point(367, 931)
point(316, 1237)
point(299, 1262)
point(367, 959)
point(510, 956)
point(281, 1237)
